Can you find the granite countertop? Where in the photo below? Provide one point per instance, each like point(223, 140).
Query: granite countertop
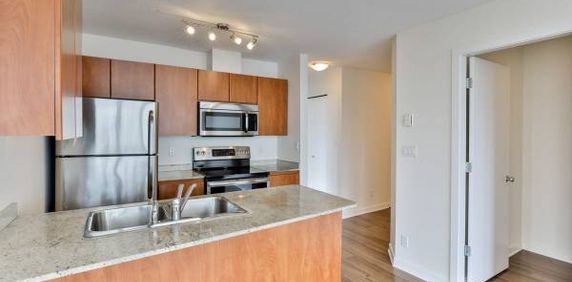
point(274, 165)
point(177, 172)
point(48, 246)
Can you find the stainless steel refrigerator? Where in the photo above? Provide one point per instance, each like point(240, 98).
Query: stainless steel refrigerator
point(115, 162)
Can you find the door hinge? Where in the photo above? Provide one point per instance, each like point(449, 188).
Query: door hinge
point(468, 167)
point(467, 250)
point(469, 83)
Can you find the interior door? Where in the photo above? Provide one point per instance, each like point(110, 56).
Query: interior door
point(488, 204)
point(319, 142)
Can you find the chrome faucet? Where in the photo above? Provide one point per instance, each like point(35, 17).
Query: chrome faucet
point(178, 204)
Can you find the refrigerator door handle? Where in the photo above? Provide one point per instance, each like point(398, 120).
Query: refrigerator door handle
point(152, 169)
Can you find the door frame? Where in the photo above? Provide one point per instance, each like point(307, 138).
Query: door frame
point(459, 59)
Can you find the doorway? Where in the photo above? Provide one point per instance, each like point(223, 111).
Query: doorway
point(518, 159)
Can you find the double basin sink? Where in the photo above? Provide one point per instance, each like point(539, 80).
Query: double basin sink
point(137, 217)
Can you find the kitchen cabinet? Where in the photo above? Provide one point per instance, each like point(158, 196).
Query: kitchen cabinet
point(132, 80)
point(284, 178)
point(96, 76)
point(40, 85)
point(176, 93)
point(273, 106)
point(213, 86)
point(168, 189)
point(243, 89)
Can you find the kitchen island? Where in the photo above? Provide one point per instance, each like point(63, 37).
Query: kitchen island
point(289, 233)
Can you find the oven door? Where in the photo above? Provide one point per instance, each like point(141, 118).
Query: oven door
point(223, 186)
point(222, 123)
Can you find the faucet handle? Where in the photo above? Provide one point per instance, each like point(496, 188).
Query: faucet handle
point(180, 190)
point(188, 194)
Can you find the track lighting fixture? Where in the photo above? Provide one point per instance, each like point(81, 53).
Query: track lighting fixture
point(212, 36)
point(191, 26)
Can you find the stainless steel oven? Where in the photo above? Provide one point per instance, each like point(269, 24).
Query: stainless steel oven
point(223, 186)
point(227, 119)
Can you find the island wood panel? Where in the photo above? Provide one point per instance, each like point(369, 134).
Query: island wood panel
point(132, 80)
point(96, 77)
point(27, 82)
point(168, 189)
point(284, 178)
point(273, 106)
point(176, 93)
point(308, 250)
point(214, 86)
point(243, 89)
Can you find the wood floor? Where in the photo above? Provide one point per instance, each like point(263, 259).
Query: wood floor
point(527, 266)
point(364, 256)
point(364, 249)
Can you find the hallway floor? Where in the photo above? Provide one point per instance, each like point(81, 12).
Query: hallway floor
point(364, 256)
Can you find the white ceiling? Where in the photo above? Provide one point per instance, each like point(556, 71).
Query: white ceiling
point(348, 32)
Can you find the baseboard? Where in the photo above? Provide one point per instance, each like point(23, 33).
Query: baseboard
point(551, 256)
point(418, 271)
point(351, 212)
point(390, 252)
point(8, 214)
point(512, 250)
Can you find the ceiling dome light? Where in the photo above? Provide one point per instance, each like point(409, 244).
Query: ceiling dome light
point(190, 30)
point(212, 36)
point(237, 40)
point(252, 43)
point(319, 66)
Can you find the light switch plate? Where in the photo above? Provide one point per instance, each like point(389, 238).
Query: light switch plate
point(408, 120)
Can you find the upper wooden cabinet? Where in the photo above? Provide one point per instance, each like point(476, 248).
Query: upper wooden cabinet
point(132, 80)
point(39, 82)
point(96, 77)
point(176, 93)
point(273, 106)
point(243, 89)
point(214, 86)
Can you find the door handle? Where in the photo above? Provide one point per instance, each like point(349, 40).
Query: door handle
point(509, 179)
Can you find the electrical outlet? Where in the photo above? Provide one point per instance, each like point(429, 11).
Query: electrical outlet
point(171, 152)
point(404, 241)
point(409, 151)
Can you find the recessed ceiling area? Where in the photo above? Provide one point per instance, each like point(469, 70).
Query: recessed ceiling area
point(348, 33)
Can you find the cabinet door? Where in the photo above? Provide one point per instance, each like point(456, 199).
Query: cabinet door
point(168, 189)
point(27, 67)
point(176, 93)
point(96, 77)
point(132, 80)
point(214, 86)
point(284, 178)
point(273, 106)
point(243, 89)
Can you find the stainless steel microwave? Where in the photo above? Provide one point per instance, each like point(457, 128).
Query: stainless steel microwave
point(227, 119)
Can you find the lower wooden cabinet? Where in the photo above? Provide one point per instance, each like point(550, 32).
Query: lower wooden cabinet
point(168, 189)
point(284, 178)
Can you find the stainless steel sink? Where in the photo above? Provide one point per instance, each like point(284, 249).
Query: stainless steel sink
point(137, 217)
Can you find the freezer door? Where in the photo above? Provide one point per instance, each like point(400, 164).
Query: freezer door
point(114, 127)
point(84, 182)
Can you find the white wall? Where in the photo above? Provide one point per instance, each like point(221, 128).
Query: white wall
point(424, 73)
point(547, 159)
point(365, 145)
point(25, 173)
point(513, 58)
point(261, 147)
point(289, 146)
point(349, 136)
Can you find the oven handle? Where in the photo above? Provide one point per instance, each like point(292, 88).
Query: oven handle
point(237, 182)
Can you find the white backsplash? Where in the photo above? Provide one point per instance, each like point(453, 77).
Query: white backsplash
point(261, 148)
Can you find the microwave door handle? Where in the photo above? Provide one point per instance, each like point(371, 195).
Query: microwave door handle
point(245, 122)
